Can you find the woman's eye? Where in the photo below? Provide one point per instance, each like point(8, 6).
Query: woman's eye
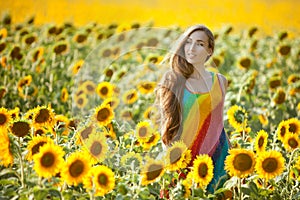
point(200, 44)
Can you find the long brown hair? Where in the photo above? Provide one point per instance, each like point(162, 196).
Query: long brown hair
point(170, 91)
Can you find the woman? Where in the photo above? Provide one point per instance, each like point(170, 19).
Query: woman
point(191, 100)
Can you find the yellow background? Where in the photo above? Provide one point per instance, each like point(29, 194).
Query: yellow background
point(268, 15)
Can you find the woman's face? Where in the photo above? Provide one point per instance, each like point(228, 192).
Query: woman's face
point(196, 48)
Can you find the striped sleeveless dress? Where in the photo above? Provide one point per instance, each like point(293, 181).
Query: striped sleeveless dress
point(203, 128)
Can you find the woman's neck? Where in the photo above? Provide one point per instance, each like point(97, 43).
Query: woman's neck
point(200, 73)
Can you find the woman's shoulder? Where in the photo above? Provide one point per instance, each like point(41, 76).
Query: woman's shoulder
point(223, 79)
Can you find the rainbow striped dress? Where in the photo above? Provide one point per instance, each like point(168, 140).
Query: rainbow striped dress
point(203, 128)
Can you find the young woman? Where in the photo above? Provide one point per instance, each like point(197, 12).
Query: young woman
point(191, 100)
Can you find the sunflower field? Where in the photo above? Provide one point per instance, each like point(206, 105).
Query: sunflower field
point(78, 117)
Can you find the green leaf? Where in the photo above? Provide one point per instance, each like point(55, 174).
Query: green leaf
point(39, 193)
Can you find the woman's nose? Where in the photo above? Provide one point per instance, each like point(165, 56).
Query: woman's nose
point(192, 46)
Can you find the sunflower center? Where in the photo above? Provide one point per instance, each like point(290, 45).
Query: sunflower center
point(245, 62)
point(130, 96)
point(147, 86)
point(242, 162)
point(202, 170)
point(239, 116)
point(47, 159)
point(109, 73)
point(80, 101)
point(260, 142)
point(154, 171)
point(20, 128)
point(42, 116)
point(282, 131)
point(35, 149)
point(2, 119)
point(151, 139)
point(102, 179)
point(90, 88)
point(292, 128)
point(269, 165)
point(96, 148)
point(104, 90)
point(103, 114)
point(142, 131)
point(175, 155)
point(76, 168)
point(293, 143)
point(86, 132)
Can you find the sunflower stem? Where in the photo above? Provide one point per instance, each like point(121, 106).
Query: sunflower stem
point(240, 189)
point(21, 164)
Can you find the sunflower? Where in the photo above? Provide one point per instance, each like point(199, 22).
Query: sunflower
point(15, 53)
point(20, 128)
point(76, 168)
point(269, 164)
point(113, 102)
point(152, 171)
point(60, 48)
point(85, 132)
point(43, 116)
point(244, 62)
point(97, 146)
point(282, 130)
point(64, 95)
point(42, 131)
point(49, 160)
point(237, 117)
point(37, 54)
point(143, 131)
point(146, 87)
point(126, 114)
point(188, 184)
point(151, 113)
point(175, 156)
point(77, 66)
point(291, 142)
point(80, 38)
point(274, 82)
point(81, 100)
point(111, 133)
point(25, 81)
point(263, 119)
point(3, 33)
point(293, 78)
point(29, 39)
point(5, 117)
point(130, 96)
point(89, 87)
point(293, 126)
point(103, 115)
point(261, 141)
point(279, 97)
point(34, 145)
point(284, 50)
point(203, 170)
point(62, 123)
point(103, 179)
point(217, 61)
point(105, 89)
point(6, 156)
point(152, 141)
point(14, 113)
point(3, 60)
point(240, 162)
point(132, 159)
